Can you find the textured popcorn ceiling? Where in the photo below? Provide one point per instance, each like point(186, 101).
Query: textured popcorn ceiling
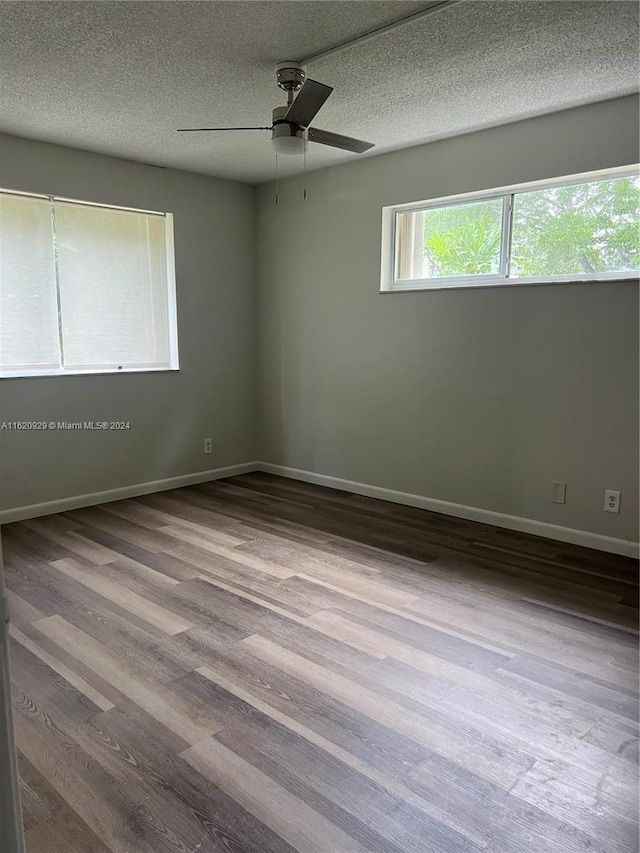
point(120, 77)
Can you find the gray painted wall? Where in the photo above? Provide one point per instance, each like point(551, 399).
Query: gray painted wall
point(214, 392)
point(479, 397)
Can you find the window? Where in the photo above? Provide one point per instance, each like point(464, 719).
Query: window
point(84, 288)
point(575, 229)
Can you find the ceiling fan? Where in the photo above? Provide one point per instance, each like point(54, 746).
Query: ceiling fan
point(290, 128)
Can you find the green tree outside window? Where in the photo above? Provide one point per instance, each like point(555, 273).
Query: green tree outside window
point(585, 228)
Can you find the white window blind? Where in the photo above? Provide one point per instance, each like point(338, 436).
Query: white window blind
point(85, 288)
point(29, 337)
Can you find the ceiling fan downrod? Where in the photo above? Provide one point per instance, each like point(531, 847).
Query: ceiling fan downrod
point(290, 76)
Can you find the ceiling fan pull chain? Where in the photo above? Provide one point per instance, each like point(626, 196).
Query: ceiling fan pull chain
point(304, 168)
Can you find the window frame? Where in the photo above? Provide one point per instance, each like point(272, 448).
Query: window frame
point(390, 284)
point(172, 313)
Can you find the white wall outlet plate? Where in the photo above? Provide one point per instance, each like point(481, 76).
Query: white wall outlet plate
point(611, 501)
point(208, 445)
point(559, 493)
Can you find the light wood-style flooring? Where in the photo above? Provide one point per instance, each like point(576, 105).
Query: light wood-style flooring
point(259, 665)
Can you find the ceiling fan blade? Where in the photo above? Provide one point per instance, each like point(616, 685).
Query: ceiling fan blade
point(308, 102)
point(198, 129)
point(336, 140)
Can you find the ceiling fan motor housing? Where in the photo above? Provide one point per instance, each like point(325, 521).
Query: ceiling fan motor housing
point(280, 123)
point(290, 76)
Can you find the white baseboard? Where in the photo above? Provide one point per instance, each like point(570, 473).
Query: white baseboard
point(64, 504)
point(485, 516)
point(498, 519)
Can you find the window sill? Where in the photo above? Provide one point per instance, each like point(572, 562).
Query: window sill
point(470, 284)
point(22, 374)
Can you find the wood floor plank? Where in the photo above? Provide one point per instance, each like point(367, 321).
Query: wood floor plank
point(368, 590)
point(379, 745)
point(21, 612)
point(154, 699)
point(54, 593)
point(384, 778)
point(372, 641)
point(72, 677)
point(427, 638)
point(622, 619)
point(273, 544)
point(184, 504)
point(194, 534)
point(536, 721)
point(329, 802)
point(622, 701)
point(95, 679)
point(18, 539)
point(617, 583)
point(130, 736)
point(581, 800)
point(126, 567)
point(475, 751)
point(141, 647)
point(261, 665)
point(349, 794)
point(49, 821)
point(328, 599)
point(125, 548)
point(615, 737)
point(86, 788)
point(163, 821)
point(280, 597)
point(514, 580)
point(208, 559)
point(120, 529)
point(246, 491)
point(144, 609)
point(522, 614)
point(442, 671)
point(217, 526)
point(505, 822)
point(292, 628)
point(559, 646)
point(63, 701)
point(253, 527)
point(71, 540)
point(170, 565)
point(268, 801)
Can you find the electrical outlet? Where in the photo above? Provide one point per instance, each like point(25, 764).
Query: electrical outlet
point(208, 445)
point(611, 501)
point(559, 493)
